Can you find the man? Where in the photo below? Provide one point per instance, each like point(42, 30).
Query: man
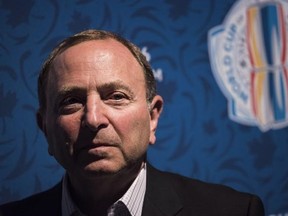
point(99, 112)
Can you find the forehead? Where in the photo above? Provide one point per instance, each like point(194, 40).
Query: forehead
point(100, 49)
point(98, 59)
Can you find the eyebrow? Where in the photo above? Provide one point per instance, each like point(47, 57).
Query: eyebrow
point(111, 86)
point(64, 91)
point(118, 84)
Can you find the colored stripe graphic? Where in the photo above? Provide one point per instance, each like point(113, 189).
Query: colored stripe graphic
point(266, 41)
point(257, 59)
point(283, 33)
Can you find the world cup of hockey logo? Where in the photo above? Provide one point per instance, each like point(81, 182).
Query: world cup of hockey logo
point(249, 59)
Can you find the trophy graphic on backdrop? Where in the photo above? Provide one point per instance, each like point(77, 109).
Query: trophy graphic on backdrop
point(251, 62)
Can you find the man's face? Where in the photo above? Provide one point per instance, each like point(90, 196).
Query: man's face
point(97, 120)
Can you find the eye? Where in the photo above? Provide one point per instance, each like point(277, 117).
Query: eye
point(70, 100)
point(70, 105)
point(117, 96)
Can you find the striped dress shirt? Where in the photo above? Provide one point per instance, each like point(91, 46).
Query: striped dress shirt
point(133, 198)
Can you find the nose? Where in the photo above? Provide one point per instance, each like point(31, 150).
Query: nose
point(95, 117)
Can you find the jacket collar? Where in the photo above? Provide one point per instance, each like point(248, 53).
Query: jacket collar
point(161, 197)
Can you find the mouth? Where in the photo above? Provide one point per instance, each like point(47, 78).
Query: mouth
point(96, 147)
point(94, 152)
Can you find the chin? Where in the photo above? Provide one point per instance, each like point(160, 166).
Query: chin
point(97, 169)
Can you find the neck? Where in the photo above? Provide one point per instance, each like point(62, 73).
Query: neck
point(98, 194)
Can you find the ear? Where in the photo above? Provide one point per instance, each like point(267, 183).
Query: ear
point(40, 121)
point(42, 125)
point(156, 108)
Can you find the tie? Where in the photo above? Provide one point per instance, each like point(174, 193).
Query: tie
point(121, 209)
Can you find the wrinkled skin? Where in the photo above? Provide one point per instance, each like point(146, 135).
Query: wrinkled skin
point(97, 121)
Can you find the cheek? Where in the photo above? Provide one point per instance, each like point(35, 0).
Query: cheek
point(62, 129)
point(135, 129)
point(61, 135)
point(70, 126)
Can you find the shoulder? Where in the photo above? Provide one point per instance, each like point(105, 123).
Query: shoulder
point(44, 203)
point(203, 196)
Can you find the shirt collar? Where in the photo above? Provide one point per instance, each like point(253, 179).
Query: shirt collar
point(133, 198)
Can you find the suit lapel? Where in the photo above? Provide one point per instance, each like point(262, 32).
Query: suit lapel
point(53, 201)
point(161, 197)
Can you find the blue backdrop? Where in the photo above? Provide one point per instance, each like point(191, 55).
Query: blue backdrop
point(195, 137)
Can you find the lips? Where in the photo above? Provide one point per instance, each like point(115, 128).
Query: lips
point(88, 143)
point(95, 151)
point(97, 145)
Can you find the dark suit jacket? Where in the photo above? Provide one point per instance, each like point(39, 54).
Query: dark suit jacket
point(166, 194)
